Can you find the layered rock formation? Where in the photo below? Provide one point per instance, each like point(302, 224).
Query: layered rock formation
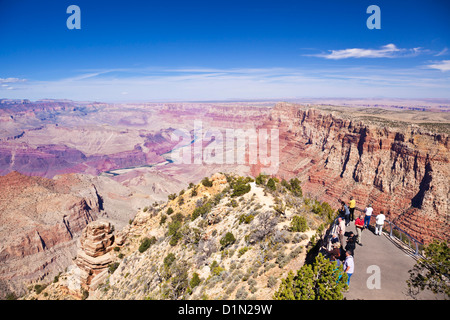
point(40, 221)
point(93, 257)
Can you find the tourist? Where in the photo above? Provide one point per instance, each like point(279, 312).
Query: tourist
point(346, 213)
point(368, 215)
point(359, 224)
point(341, 231)
point(349, 265)
point(351, 243)
point(379, 223)
point(352, 206)
point(335, 253)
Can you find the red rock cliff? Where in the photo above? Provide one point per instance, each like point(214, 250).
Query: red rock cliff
point(400, 168)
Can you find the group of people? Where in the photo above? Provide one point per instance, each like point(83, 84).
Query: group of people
point(343, 250)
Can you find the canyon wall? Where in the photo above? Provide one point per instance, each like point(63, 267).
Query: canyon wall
point(398, 167)
point(40, 221)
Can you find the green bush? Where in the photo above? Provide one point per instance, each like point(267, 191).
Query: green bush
point(169, 260)
point(169, 211)
point(432, 271)
point(174, 232)
point(146, 243)
point(296, 189)
point(271, 184)
point(39, 288)
point(240, 187)
point(261, 179)
point(246, 218)
point(227, 239)
point(195, 281)
point(201, 211)
point(172, 196)
point(299, 224)
point(113, 267)
point(206, 182)
point(323, 280)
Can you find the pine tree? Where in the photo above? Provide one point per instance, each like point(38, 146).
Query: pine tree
point(323, 280)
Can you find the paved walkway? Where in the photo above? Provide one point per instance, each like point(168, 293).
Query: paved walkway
point(394, 263)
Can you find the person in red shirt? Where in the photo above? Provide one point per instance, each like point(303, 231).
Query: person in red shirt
point(359, 224)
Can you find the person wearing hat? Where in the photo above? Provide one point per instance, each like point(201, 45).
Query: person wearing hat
point(368, 211)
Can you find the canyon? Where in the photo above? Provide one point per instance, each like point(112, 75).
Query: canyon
point(65, 164)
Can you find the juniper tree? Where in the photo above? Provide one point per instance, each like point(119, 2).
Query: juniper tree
point(431, 272)
point(323, 280)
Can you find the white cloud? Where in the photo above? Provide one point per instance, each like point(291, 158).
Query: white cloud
point(443, 65)
point(196, 83)
point(11, 80)
point(387, 51)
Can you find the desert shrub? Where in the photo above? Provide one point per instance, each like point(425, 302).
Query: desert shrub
point(145, 209)
point(227, 239)
point(296, 189)
point(246, 218)
point(169, 260)
point(39, 288)
point(271, 282)
point(172, 196)
point(146, 243)
point(299, 224)
point(241, 294)
point(113, 267)
point(242, 251)
point(169, 211)
point(265, 227)
point(261, 179)
point(178, 217)
point(174, 232)
point(271, 184)
point(240, 188)
point(195, 280)
point(206, 182)
point(282, 259)
point(56, 279)
point(163, 219)
point(201, 211)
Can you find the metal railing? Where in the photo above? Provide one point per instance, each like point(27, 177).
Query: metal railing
point(404, 237)
point(395, 232)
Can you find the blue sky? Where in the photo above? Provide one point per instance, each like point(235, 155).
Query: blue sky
point(217, 50)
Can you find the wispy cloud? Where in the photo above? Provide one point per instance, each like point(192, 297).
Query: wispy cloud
point(387, 51)
point(11, 80)
point(6, 83)
point(199, 83)
point(443, 65)
point(442, 52)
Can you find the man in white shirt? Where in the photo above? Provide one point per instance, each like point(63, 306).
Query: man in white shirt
point(349, 265)
point(368, 211)
point(379, 223)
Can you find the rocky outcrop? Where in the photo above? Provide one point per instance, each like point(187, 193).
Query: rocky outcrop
point(93, 257)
